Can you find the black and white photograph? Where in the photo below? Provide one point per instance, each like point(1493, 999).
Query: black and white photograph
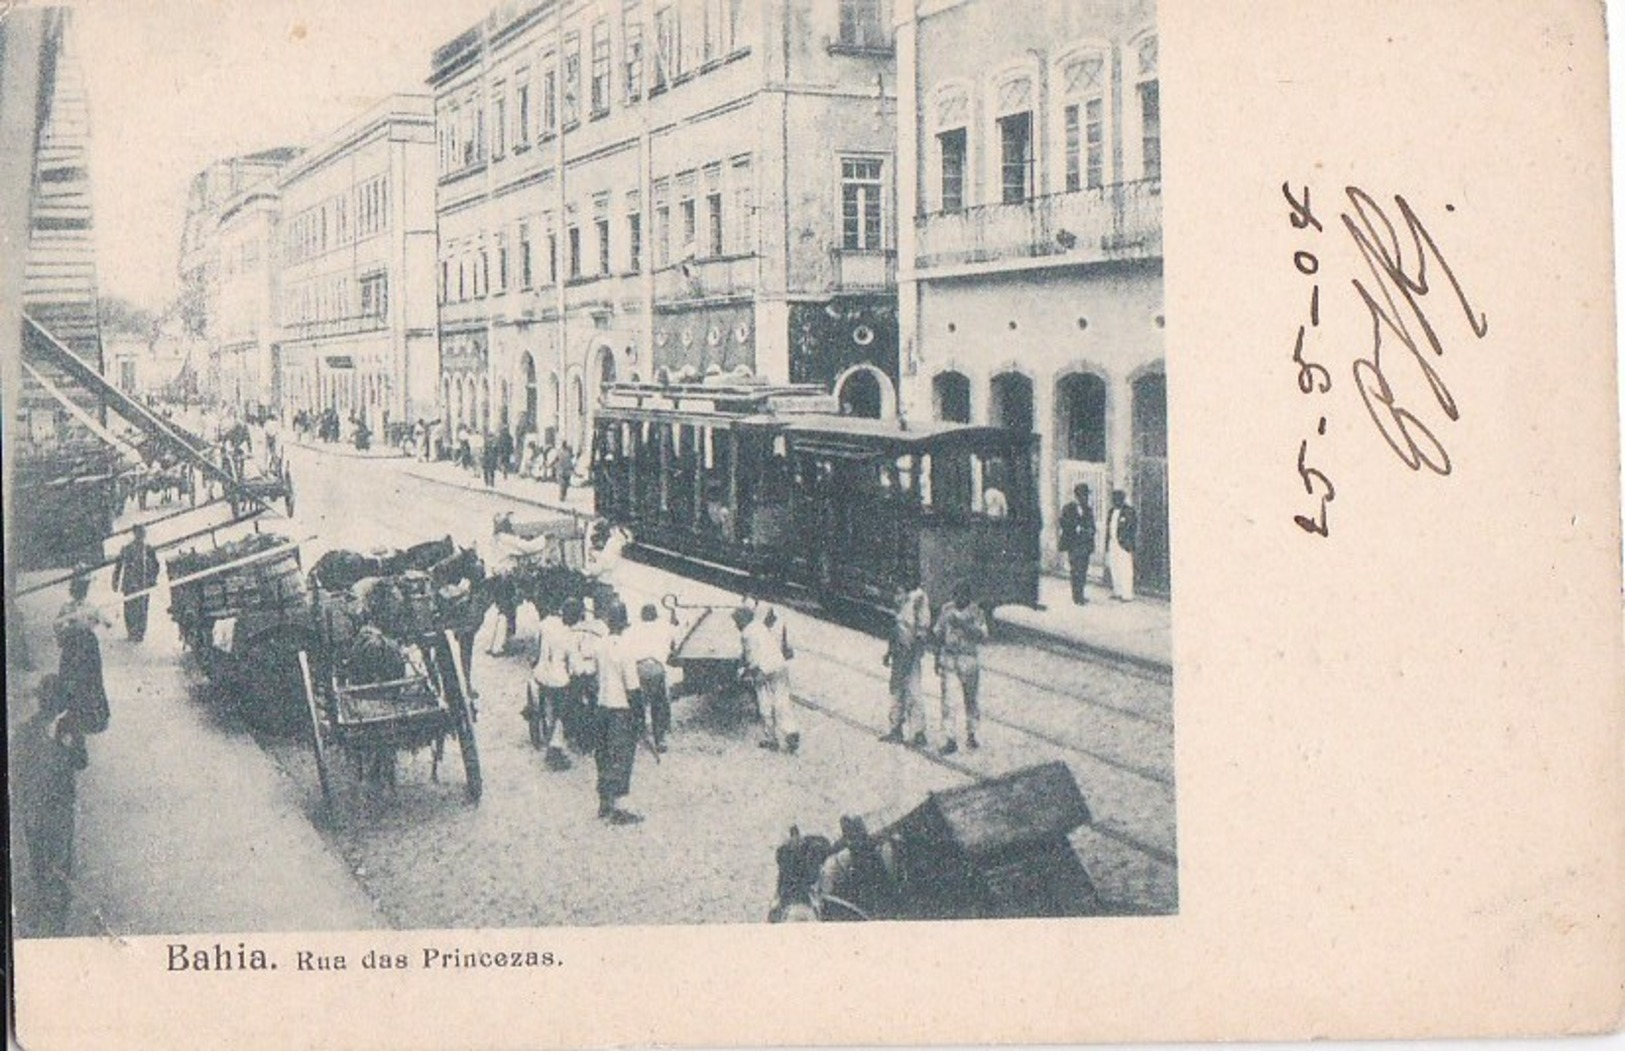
point(586, 462)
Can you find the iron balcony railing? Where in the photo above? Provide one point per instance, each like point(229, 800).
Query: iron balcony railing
point(1120, 221)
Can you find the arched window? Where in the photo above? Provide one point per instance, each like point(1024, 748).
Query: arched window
point(1012, 404)
point(1151, 416)
point(1017, 157)
point(1144, 118)
point(950, 397)
point(951, 116)
point(606, 367)
point(1080, 418)
point(528, 365)
point(1083, 89)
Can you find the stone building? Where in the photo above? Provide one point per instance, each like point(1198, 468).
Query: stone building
point(356, 296)
point(635, 186)
point(227, 274)
point(1030, 289)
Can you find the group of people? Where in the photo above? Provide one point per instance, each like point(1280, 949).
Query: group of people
point(954, 638)
point(598, 685)
point(497, 452)
point(50, 747)
point(1077, 541)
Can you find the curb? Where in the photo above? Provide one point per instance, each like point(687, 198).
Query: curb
point(381, 453)
point(553, 507)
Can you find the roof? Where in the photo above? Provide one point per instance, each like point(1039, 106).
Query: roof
point(881, 428)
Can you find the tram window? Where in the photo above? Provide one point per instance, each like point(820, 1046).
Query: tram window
point(925, 481)
point(991, 477)
point(775, 474)
point(951, 483)
point(709, 443)
point(905, 475)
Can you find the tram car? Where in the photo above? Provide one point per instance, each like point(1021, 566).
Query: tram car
point(769, 480)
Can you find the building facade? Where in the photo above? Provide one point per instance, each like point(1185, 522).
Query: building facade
point(631, 187)
point(1030, 287)
point(228, 276)
point(356, 293)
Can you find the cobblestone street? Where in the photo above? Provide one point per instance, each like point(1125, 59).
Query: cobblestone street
point(532, 852)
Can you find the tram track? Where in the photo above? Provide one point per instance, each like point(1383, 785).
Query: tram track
point(1040, 735)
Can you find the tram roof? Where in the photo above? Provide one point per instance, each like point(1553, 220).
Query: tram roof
point(888, 429)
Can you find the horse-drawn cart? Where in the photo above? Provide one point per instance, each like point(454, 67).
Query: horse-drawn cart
point(243, 611)
point(265, 483)
point(389, 670)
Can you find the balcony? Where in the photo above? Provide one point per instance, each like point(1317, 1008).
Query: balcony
point(862, 269)
point(713, 279)
point(1122, 221)
point(331, 328)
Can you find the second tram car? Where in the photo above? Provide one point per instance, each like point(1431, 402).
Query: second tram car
point(769, 480)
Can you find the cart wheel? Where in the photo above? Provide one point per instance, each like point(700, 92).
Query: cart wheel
point(315, 727)
point(533, 716)
point(463, 716)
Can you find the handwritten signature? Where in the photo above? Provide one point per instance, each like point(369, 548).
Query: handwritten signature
point(1397, 314)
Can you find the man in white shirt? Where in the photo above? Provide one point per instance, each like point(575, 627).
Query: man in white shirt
point(502, 553)
point(649, 643)
point(550, 689)
point(765, 649)
point(617, 719)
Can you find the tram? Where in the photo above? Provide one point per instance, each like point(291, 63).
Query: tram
point(769, 480)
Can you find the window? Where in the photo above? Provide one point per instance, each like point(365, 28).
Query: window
point(525, 274)
point(860, 203)
point(1150, 131)
point(462, 277)
point(861, 25)
point(572, 79)
point(521, 111)
point(573, 237)
point(499, 121)
point(951, 145)
point(715, 23)
point(375, 296)
point(1016, 156)
point(690, 36)
point(665, 46)
point(686, 210)
point(479, 132)
point(632, 50)
point(502, 262)
point(552, 255)
point(445, 280)
point(550, 97)
point(1083, 80)
point(602, 223)
point(662, 231)
point(634, 238)
point(744, 197)
point(600, 67)
point(713, 211)
point(482, 275)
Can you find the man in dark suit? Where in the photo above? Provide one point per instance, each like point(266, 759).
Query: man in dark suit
point(136, 571)
point(1078, 539)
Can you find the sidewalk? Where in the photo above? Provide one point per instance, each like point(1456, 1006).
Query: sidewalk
point(184, 824)
point(1136, 632)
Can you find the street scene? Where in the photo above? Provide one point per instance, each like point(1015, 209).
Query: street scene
point(651, 465)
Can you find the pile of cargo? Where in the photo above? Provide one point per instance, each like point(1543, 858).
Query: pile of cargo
point(272, 583)
point(407, 594)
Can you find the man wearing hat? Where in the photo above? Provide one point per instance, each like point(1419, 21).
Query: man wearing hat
point(1078, 539)
point(135, 572)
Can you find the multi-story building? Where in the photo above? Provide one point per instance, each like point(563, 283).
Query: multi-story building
point(636, 186)
point(224, 294)
point(1030, 288)
point(242, 315)
point(357, 269)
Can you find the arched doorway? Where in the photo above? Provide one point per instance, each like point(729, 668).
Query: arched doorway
point(482, 420)
point(1080, 418)
point(578, 417)
point(1012, 402)
point(555, 409)
point(859, 395)
point(528, 422)
point(460, 405)
point(1149, 471)
point(950, 397)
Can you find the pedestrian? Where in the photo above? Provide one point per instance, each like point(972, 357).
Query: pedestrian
point(504, 451)
point(765, 659)
point(1120, 532)
point(47, 752)
point(959, 632)
point(567, 468)
point(550, 688)
point(1078, 540)
point(490, 455)
point(650, 645)
point(910, 636)
point(617, 721)
point(79, 665)
point(135, 572)
point(582, 664)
